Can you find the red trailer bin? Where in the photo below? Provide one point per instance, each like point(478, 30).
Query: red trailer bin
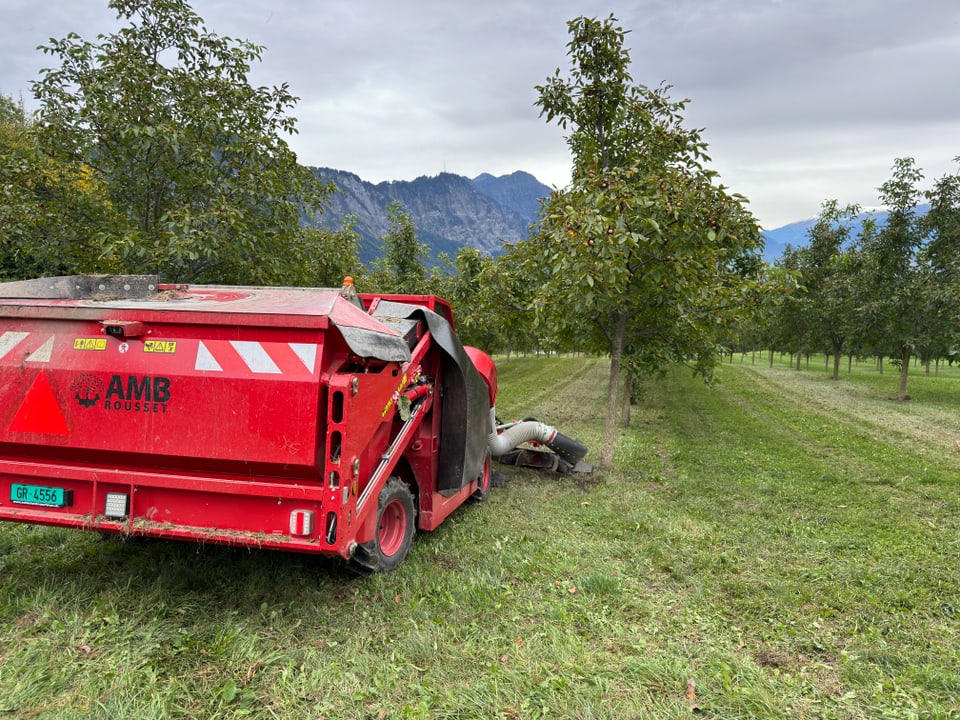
point(307, 420)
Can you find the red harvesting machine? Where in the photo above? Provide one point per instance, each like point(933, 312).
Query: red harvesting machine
point(299, 419)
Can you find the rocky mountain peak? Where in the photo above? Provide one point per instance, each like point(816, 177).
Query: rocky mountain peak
point(449, 211)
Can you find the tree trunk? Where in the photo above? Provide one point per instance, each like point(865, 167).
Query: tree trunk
point(609, 441)
point(837, 348)
point(904, 369)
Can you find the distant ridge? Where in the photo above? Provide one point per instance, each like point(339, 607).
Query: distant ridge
point(797, 234)
point(519, 191)
point(449, 211)
point(452, 211)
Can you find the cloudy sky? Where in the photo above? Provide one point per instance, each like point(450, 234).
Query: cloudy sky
point(800, 100)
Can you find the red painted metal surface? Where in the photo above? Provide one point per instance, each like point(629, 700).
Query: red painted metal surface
point(488, 370)
point(227, 415)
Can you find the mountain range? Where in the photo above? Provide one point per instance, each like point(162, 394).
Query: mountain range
point(451, 211)
point(448, 211)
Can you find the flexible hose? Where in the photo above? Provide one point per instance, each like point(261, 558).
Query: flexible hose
point(518, 433)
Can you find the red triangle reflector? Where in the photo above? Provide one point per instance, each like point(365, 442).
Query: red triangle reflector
point(40, 411)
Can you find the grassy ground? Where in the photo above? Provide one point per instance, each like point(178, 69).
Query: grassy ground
point(779, 546)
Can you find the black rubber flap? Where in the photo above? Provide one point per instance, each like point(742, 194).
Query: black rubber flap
point(465, 426)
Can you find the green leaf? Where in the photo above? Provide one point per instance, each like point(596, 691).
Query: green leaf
point(229, 691)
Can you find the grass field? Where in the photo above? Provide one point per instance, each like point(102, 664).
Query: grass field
point(778, 546)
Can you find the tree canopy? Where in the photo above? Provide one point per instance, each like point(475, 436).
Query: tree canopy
point(644, 251)
point(162, 116)
point(52, 213)
point(888, 289)
point(400, 269)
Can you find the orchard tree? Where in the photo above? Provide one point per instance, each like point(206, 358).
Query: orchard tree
point(769, 322)
point(903, 307)
point(52, 214)
point(400, 269)
point(940, 258)
point(894, 291)
point(511, 286)
point(644, 248)
point(942, 223)
point(162, 114)
point(793, 315)
point(827, 280)
point(471, 292)
point(320, 257)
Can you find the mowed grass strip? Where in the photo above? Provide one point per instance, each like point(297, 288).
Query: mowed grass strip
point(831, 540)
point(753, 554)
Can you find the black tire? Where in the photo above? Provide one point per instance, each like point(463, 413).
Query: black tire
point(396, 526)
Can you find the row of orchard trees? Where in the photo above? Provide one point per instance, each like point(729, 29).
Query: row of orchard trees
point(889, 290)
point(151, 152)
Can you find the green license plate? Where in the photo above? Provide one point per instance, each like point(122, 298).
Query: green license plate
point(40, 495)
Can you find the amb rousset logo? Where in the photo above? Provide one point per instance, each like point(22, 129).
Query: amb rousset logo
point(141, 394)
point(87, 389)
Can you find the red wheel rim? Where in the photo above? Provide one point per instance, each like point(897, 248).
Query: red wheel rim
point(393, 527)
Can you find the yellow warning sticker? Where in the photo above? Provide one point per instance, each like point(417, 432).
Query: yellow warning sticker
point(160, 346)
point(90, 344)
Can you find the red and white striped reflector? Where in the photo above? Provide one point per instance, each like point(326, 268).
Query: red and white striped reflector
point(32, 347)
point(242, 357)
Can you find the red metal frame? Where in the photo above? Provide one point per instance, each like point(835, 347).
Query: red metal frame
point(431, 302)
